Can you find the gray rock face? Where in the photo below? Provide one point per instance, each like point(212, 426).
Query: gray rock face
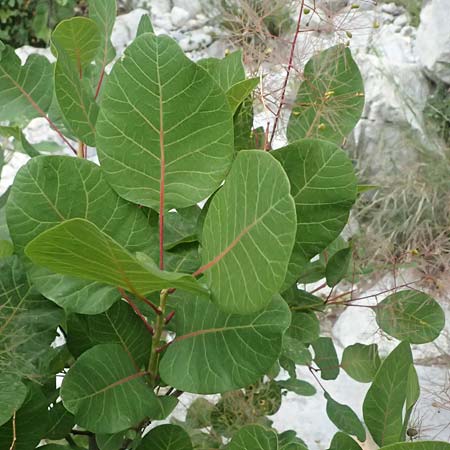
point(433, 40)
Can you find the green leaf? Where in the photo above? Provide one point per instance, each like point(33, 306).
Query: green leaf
point(109, 441)
point(80, 38)
point(103, 13)
point(226, 71)
point(61, 422)
point(244, 136)
point(299, 387)
point(174, 121)
point(25, 91)
point(249, 346)
point(183, 258)
point(330, 100)
point(323, 184)
point(237, 93)
point(79, 248)
point(166, 437)
point(345, 418)
point(361, 362)
point(21, 142)
point(51, 189)
point(248, 234)
point(435, 445)
point(288, 440)
point(412, 396)
point(384, 402)
point(254, 437)
point(118, 325)
point(342, 441)
point(6, 248)
point(338, 265)
point(367, 187)
point(411, 316)
point(24, 340)
point(304, 326)
point(12, 394)
point(76, 41)
point(28, 430)
point(145, 25)
point(296, 351)
point(326, 358)
point(199, 413)
point(300, 300)
point(102, 382)
point(181, 226)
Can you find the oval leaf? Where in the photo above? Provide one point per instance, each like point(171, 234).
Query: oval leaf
point(299, 387)
point(384, 402)
point(342, 441)
point(249, 345)
point(361, 362)
point(337, 267)
point(330, 100)
point(254, 437)
point(411, 316)
point(326, 358)
point(166, 437)
point(324, 185)
point(173, 120)
point(79, 248)
point(12, 395)
point(103, 381)
point(248, 234)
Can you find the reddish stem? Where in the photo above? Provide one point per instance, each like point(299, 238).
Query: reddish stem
point(137, 311)
point(99, 84)
point(288, 73)
point(169, 317)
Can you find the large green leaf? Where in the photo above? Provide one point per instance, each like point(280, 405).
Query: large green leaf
point(76, 41)
point(326, 358)
point(166, 437)
point(342, 441)
point(345, 418)
point(79, 248)
point(435, 445)
point(304, 327)
point(240, 91)
point(23, 338)
point(12, 394)
point(411, 316)
point(102, 382)
point(254, 437)
point(173, 120)
point(25, 91)
point(296, 351)
point(51, 189)
point(323, 184)
point(248, 234)
point(29, 424)
point(384, 402)
point(330, 100)
point(119, 325)
point(361, 362)
point(221, 352)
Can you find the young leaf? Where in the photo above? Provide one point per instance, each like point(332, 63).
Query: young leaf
point(166, 437)
point(102, 382)
point(342, 441)
point(300, 300)
point(296, 351)
point(337, 267)
point(201, 328)
point(79, 248)
point(254, 437)
point(226, 71)
point(174, 121)
point(326, 358)
point(435, 445)
point(304, 327)
point(27, 430)
point(299, 387)
point(51, 189)
point(145, 25)
point(25, 91)
point(19, 139)
point(412, 396)
point(330, 100)
point(12, 394)
point(118, 325)
point(345, 418)
point(240, 91)
point(384, 402)
point(248, 234)
point(411, 316)
point(361, 362)
point(323, 184)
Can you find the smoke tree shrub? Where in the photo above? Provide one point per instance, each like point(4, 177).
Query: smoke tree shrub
point(156, 296)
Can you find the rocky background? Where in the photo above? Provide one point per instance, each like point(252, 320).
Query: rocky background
point(403, 65)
